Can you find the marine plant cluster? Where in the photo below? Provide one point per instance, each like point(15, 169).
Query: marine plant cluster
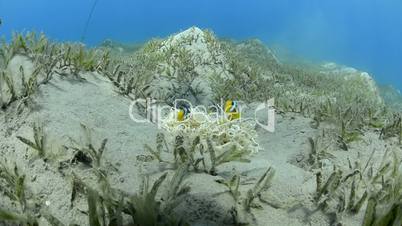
point(323, 97)
point(48, 58)
point(108, 205)
point(346, 190)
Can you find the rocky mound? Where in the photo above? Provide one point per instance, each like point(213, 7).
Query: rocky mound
point(392, 97)
point(350, 75)
point(197, 66)
point(257, 51)
point(189, 59)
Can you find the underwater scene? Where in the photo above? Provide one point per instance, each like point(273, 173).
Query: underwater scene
point(201, 113)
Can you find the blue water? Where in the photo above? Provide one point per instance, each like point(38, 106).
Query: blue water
point(366, 34)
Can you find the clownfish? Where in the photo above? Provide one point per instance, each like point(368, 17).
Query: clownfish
point(183, 112)
point(232, 110)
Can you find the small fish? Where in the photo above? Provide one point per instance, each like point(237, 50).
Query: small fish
point(183, 112)
point(232, 110)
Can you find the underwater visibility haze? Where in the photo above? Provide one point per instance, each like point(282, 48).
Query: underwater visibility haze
point(362, 34)
point(212, 112)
